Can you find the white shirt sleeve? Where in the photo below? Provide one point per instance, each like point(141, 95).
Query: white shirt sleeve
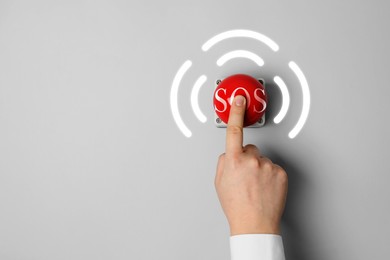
point(256, 247)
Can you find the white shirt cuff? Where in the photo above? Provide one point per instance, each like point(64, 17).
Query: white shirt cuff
point(256, 247)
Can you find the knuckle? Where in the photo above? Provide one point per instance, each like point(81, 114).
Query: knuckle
point(234, 129)
point(221, 158)
point(279, 169)
point(251, 147)
point(267, 164)
point(235, 159)
point(281, 173)
point(253, 162)
point(235, 162)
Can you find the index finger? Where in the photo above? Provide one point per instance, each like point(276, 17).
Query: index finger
point(234, 131)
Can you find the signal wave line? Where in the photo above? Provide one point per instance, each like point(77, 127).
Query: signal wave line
point(173, 98)
point(240, 54)
point(286, 99)
point(240, 33)
point(306, 99)
point(194, 98)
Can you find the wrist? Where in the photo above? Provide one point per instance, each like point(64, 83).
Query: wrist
point(243, 228)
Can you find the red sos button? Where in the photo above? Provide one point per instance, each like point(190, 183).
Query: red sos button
point(244, 85)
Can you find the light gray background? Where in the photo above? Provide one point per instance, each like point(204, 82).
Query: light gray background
point(92, 165)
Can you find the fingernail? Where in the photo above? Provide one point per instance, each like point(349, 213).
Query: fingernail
point(239, 100)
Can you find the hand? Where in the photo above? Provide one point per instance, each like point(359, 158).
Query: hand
point(251, 189)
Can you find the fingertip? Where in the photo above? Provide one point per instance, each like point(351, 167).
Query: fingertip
point(239, 101)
